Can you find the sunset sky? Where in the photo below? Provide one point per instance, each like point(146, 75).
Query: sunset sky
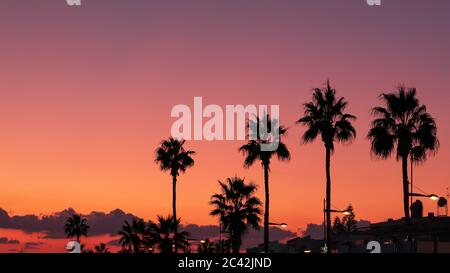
point(86, 94)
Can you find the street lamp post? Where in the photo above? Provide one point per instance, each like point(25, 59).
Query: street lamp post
point(344, 212)
point(325, 221)
point(433, 197)
point(411, 194)
point(282, 225)
point(200, 241)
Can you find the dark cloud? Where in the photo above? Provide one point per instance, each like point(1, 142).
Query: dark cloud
point(200, 232)
point(251, 239)
point(255, 237)
point(6, 241)
point(363, 224)
point(114, 242)
point(110, 223)
point(316, 231)
point(52, 225)
point(33, 245)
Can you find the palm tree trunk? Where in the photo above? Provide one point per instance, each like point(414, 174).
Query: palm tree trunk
point(174, 197)
point(405, 188)
point(266, 210)
point(236, 243)
point(328, 195)
point(174, 208)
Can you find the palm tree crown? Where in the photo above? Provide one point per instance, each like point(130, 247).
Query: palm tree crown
point(133, 235)
point(165, 237)
point(403, 125)
point(325, 116)
point(171, 156)
point(253, 148)
point(238, 209)
point(76, 226)
point(101, 248)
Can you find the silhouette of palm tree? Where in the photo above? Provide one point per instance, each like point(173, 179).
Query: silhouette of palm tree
point(85, 250)
point(405, 126)
point(76, 226)
point(171, 156)
point(253, 152)
point(325, 116)
point(164, 236)
point(238, 208)
point(124, 251)
point(101, 248)
point(133, 236)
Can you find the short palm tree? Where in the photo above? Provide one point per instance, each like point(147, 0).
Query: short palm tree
point(101, 248)
point(133, 235)
point(253, 152)
point(76, 226)
point(172, 156)
point(403, 125)
point(164, 236)
point(325, 117)
point(238, 209)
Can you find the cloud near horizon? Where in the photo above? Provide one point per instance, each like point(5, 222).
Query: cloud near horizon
point(52, 225)
point(315, 231)
point(33, 245)
point(110, 223)
point(7, 241)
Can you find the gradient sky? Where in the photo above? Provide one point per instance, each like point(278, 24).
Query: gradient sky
point(86, 94)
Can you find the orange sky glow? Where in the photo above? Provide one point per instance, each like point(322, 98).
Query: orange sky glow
point(86, 97)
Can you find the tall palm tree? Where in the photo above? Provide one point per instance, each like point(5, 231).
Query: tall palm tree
point(254, 152)
point(325, 116)
point(76, 226)
point(101, 248)
point(172, 156)
point(164, 236)
point(403, 125)
point(238, 209)
point(133, 235)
